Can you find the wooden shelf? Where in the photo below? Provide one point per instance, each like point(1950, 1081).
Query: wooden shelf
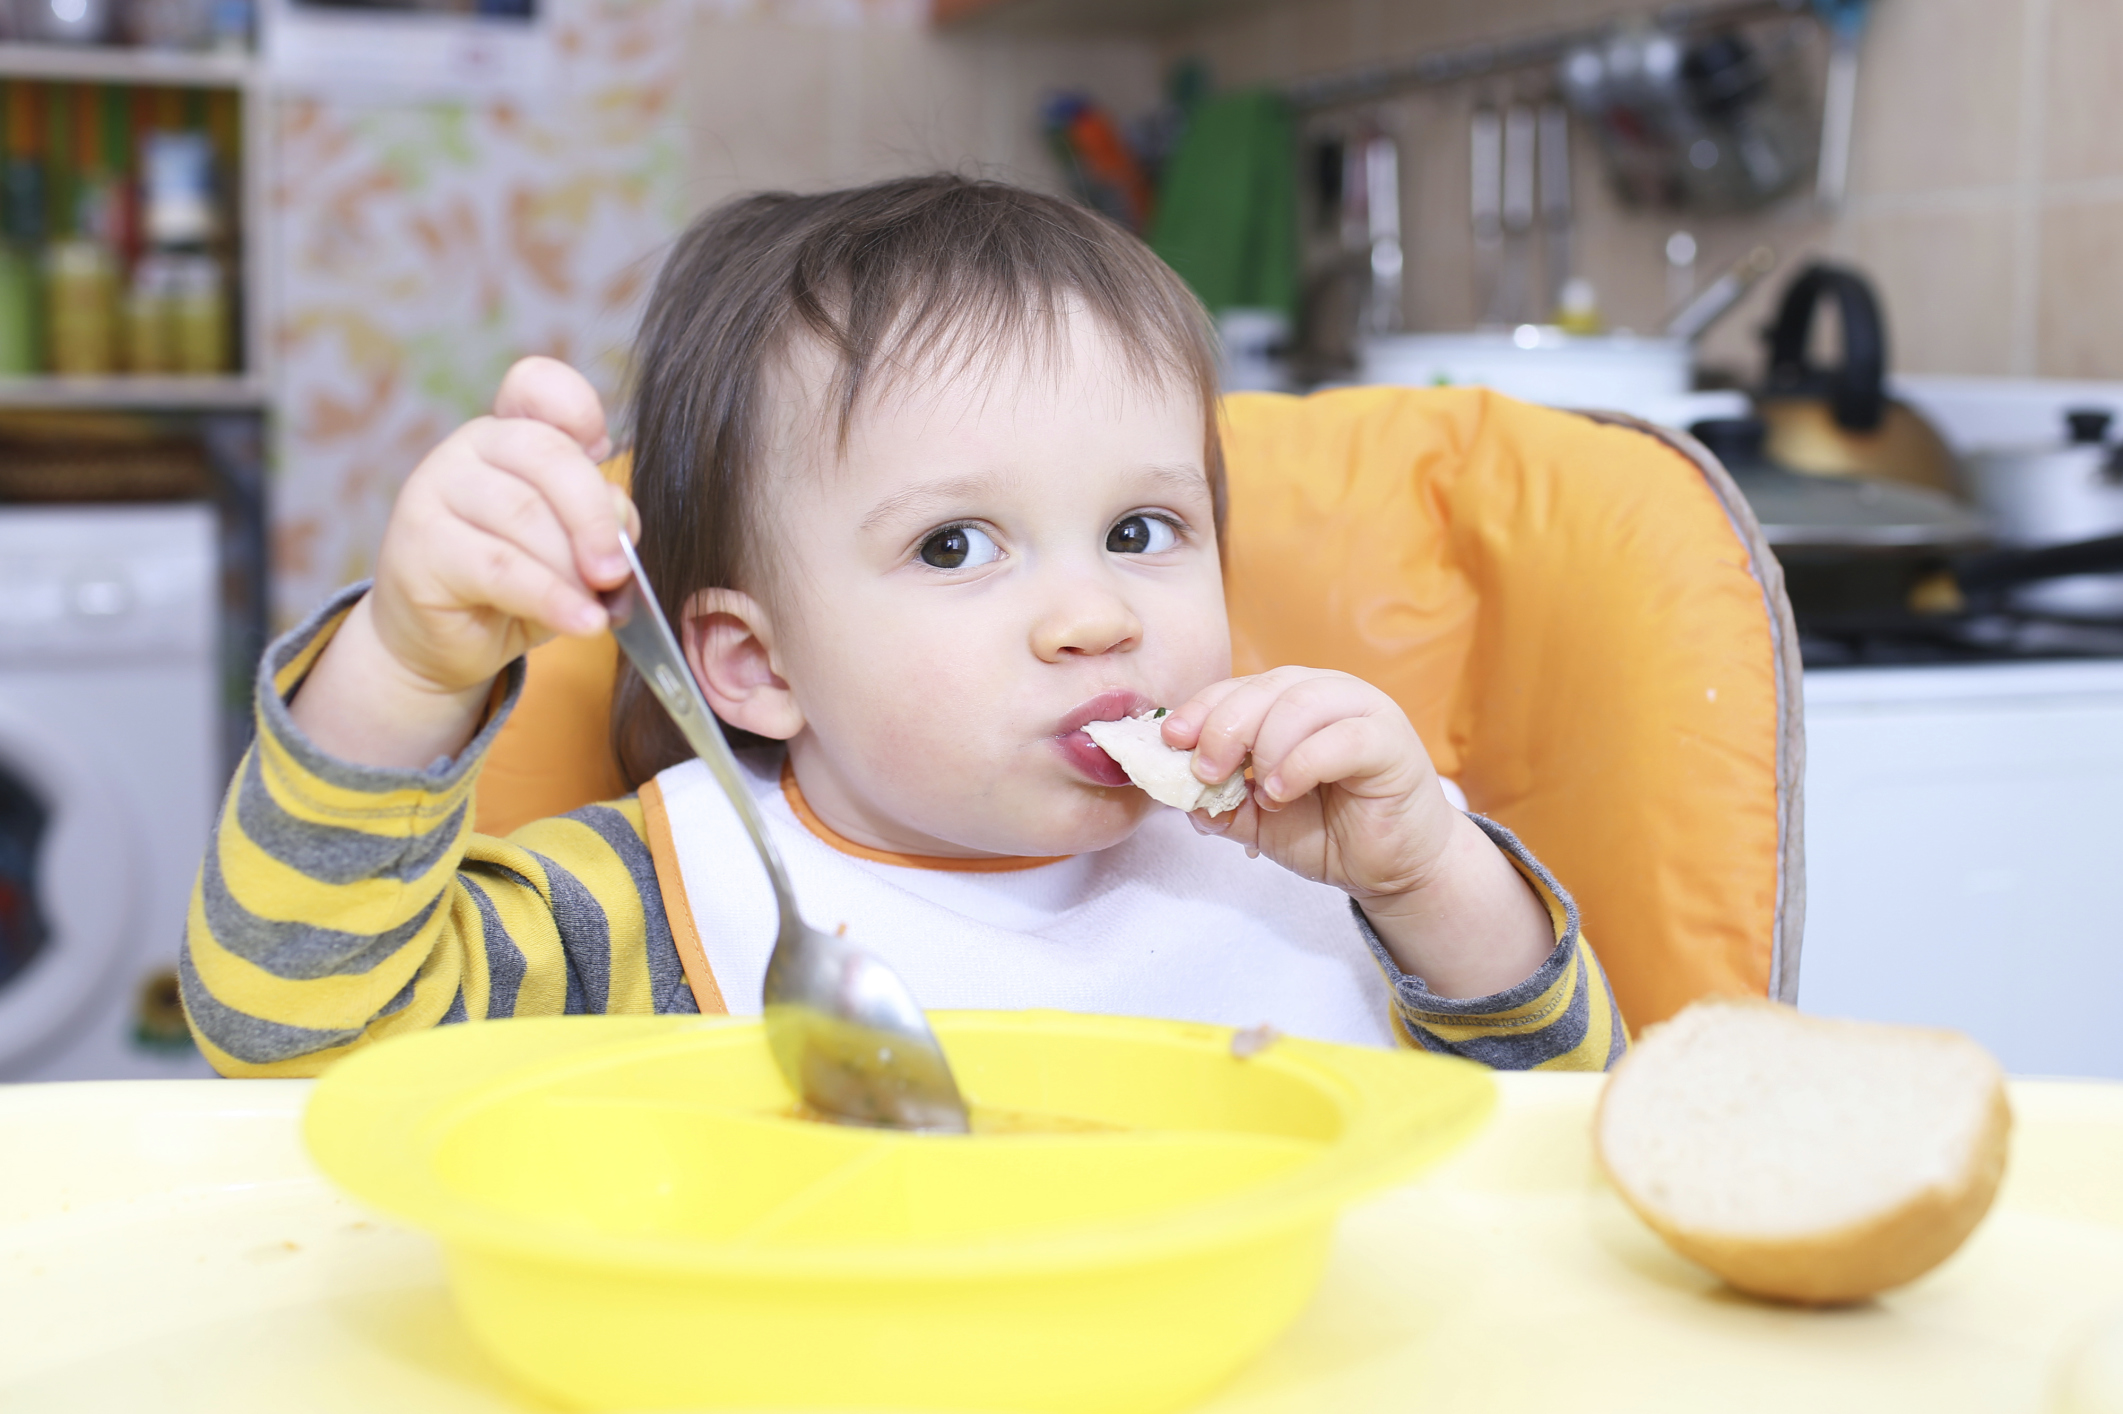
point(135, 393)
point(107, 63)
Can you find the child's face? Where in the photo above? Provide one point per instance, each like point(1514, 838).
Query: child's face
point(1000, 556)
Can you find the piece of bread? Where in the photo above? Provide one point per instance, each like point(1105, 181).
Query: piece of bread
point(1805, 1159)
point(1165, 773)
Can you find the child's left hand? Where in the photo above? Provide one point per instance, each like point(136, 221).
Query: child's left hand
point(1344, 793)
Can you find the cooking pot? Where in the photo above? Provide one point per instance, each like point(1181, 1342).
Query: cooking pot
point(1838, 420)
point(2057, 493)
point(1647, 377)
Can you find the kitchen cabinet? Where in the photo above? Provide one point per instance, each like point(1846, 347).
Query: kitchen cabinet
point(1963, 826)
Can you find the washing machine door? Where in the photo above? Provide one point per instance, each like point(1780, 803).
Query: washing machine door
point(68, 893)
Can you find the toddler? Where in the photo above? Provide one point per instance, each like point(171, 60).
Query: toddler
point(928, 477)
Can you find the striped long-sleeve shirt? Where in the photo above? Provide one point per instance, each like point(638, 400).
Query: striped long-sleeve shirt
point(340, 904)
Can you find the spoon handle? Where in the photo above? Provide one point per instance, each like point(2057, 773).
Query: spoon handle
point(646, 638)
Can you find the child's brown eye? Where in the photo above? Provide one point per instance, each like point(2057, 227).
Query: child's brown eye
point(958, 547)
point(1141, 535)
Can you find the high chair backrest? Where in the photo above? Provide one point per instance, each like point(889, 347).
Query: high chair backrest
point(1578, 613)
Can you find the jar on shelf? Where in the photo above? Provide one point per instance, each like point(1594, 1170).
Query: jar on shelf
point(199, 315)
point(81, 307)
point(148, 321)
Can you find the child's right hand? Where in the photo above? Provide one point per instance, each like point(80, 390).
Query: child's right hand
point(503, 534)
point(500, 538)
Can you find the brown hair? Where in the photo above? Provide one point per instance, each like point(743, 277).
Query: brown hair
point(906, 273)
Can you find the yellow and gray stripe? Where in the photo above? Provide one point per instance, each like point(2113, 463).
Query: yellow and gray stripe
point(339, 904)
point(1563, 1017)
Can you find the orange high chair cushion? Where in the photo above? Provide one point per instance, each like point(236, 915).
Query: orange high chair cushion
point(1581, 619)
point(1586, 628)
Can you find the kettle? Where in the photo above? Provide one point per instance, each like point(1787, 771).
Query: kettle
point(1838, 420)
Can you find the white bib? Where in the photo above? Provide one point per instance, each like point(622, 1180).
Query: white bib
point(1166, 923)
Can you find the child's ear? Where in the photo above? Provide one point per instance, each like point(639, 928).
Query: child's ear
point(729, 643)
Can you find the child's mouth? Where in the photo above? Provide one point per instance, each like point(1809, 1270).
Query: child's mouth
point(1080, 751)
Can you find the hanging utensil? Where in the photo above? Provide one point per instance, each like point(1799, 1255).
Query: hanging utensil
point(1558, 215)
point(1516, 297)
point(1485, 205)
point(846, 1032)
point(1382, 231)
point(1846, 25)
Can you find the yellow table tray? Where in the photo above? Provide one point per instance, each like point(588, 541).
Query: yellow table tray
point(167, 1246)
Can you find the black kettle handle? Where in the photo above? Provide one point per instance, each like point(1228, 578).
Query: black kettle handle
point(1856, 391)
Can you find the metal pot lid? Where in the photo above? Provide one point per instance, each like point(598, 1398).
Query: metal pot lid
point(1855, 512)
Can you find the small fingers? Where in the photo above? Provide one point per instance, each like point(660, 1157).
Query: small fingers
point(547, 390)
point(1242, 824)
point(1316, 705)
point(482, 568)
point(1227, 731)
point(1339, 751)
point(1183, 725)
point(623, 507)
point(544, 458)
point(509, 508)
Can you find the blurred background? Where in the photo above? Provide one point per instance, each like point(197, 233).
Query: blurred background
point(257, 256)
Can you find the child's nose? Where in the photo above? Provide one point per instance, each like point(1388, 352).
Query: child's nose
point(1085, 621)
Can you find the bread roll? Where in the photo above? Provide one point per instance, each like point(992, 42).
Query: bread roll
point(1165, 773)
point(1805, 1159)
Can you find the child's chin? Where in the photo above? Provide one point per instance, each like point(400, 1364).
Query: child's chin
point(1098, 822)
point(1080, 821)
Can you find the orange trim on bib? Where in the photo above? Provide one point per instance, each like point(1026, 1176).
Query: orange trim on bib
point(677, 910)
point(826, 832)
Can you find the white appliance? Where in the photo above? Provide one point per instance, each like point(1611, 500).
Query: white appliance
point(108, 777)
point(1964, 828)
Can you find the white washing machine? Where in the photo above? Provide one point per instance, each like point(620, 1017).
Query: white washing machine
point(109, 775)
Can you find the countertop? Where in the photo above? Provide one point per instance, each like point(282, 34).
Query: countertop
point(168, 1246)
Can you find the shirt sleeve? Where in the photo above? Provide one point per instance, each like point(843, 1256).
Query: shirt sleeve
point(1563, 1017)
point(340, 904)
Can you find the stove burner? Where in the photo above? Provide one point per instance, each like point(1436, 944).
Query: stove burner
point(1836, 642)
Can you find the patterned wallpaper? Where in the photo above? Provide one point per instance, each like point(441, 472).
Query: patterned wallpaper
point(424, 246)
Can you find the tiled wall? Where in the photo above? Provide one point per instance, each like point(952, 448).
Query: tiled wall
point(1989, 183)
point(1987, 175)
point(776, 99)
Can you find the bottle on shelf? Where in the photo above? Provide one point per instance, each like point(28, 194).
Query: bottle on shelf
point(81, 296)
point(21, 235)
point(179, 308)
point(114, 241)
point(81, 280)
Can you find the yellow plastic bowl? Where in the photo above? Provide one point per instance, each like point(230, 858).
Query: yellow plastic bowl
point(632, 1219)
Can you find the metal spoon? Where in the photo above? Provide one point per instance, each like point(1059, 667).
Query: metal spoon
point(844, 1029)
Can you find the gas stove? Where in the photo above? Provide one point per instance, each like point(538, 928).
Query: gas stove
point(1981, 638)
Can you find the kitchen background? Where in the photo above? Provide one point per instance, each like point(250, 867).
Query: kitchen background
point(391, 226)
point(427, 243)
